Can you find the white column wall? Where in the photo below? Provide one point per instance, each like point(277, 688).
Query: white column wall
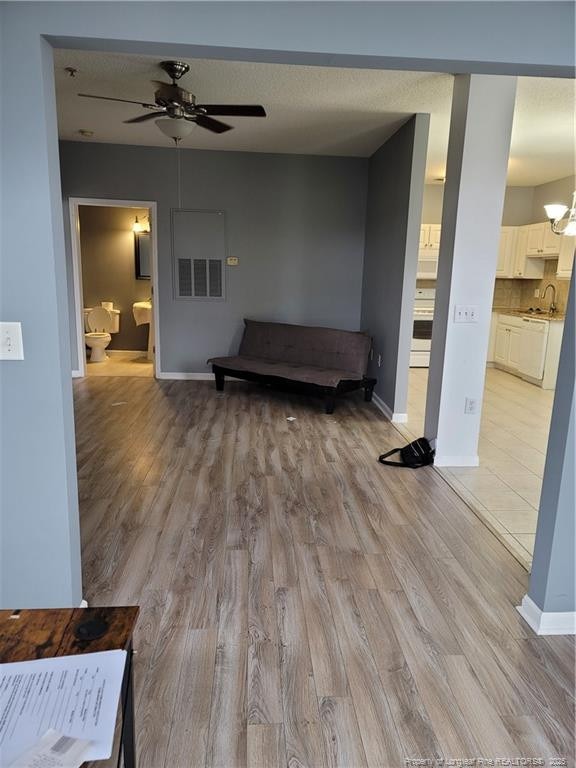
point(478, 150)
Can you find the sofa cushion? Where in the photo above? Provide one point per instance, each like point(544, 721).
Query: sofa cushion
point(308, 374)
point(301, 345)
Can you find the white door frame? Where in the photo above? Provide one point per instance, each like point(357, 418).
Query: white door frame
point(74, 204)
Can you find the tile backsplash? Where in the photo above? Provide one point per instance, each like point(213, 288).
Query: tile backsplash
point(508, 293)
point(562, 287)
point(519, 294)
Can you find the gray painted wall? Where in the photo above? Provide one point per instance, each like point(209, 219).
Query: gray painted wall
point(395, 188)
point(553, 577)
point(39, 526)
point(295, 222)
point(108, 273)
point(522, 205)
point(559, 191)
point(40, 539)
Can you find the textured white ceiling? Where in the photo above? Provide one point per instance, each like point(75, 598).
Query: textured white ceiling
point(311, 110)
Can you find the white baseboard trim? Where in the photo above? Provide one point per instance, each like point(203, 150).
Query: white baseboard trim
point(547, 622)
point(398, 418)
point(456, 461)
point(183, 376)
point(76, 375)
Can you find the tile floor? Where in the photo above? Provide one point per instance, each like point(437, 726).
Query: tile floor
point(122, 364)
point(505, 489)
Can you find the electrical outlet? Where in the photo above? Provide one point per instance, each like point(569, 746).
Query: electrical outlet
point(470, 405)
point(232, 261)
point(537, 293)
point(11, 341)
point(379, 360)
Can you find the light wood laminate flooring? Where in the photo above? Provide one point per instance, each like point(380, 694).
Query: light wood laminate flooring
point(303, 606)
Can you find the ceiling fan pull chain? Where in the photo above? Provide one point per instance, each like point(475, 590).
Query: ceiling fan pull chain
point(179, 174)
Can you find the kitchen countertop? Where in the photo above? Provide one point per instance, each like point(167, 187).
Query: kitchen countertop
point(556, 316)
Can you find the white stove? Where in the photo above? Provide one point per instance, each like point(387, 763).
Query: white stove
point(422, 327)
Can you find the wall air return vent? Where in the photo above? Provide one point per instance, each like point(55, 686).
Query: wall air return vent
point(199, 254)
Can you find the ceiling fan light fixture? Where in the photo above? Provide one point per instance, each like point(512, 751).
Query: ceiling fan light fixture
point(176, 128)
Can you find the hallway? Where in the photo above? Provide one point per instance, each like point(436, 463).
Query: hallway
point(302, 605)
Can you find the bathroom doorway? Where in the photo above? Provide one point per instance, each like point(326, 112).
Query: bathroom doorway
point(115, 268)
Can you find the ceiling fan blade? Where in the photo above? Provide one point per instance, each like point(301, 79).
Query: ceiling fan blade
point(234, 110)
point(111, 98)
point(143, 118)
point(212, 125)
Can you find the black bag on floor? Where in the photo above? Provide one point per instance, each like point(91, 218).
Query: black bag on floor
point(417, 454)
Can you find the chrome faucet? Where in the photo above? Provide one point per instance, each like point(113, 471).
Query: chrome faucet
point(552, 307)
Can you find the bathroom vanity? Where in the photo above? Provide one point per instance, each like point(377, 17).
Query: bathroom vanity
point(142, 311)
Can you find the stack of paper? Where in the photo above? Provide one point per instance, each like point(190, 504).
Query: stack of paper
point(75, 697)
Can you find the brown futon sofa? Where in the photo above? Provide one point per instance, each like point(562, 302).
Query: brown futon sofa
point(325, 360)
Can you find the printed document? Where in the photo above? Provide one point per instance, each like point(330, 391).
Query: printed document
point(77, 696)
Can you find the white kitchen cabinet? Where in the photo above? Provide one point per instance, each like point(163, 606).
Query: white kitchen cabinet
point(534, 240)
point(507, 342)
point(501, 344)
point(434, 237)
point(429, 239)
point(515, 348)
point(552, 242)
point(525, 266)
point(506, 252)
point(566, 257)
point(542, 241)
point(428, 250)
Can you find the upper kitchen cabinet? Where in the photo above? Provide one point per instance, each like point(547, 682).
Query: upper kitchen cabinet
point(506, 252)
point(525, 266)
point(566, 256)
point(429, 240)
point(428, 250)
point(541, 240)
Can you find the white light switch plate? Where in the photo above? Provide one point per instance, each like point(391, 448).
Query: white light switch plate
point(465, 313)
point(11, 341)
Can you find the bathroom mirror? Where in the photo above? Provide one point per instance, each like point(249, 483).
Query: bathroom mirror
point(143, 255)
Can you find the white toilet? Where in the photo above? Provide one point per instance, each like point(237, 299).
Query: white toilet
point(99, 324)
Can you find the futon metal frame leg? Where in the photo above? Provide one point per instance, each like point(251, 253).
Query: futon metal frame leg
point(127, 751)
point(330, 402)
point(219, 377)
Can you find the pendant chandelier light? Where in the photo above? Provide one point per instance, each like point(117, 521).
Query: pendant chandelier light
point(556, 213)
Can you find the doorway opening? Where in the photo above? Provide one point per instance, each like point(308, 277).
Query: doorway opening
point(115, 268)
point(529, 303)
